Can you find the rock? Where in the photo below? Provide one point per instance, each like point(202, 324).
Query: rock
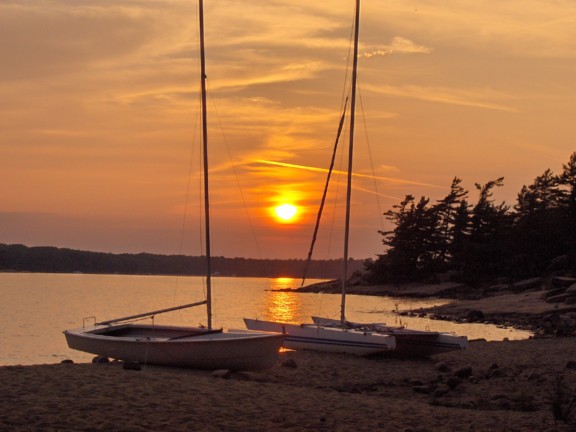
point(571, 364)
point(453, 382)
point(553, 292)
point(475, 316)
point(464, 372)
point(290, 363)
point(222, 373)
point(562, 281)
point(441, 391)
point(496, 373)
point(67, 361)
point(100, 360)
point(526, 284)
point(559, 262)
point(496, 288)
point(442, 366)
point(132, 365)
point(560, 298)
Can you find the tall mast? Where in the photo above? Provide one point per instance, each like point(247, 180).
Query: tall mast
point(350, 160)
point(205, 153)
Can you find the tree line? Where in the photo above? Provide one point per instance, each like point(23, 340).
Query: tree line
point(20, 258)
point(479, 241)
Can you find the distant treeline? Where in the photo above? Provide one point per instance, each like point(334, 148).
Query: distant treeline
point(482, 241)
point(20, 258)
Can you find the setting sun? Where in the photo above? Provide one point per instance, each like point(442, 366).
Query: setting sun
point(286, 212)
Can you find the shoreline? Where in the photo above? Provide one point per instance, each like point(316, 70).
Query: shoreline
point(539, 305)
point(498, 386)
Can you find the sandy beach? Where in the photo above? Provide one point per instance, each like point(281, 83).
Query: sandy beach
point(491, 386)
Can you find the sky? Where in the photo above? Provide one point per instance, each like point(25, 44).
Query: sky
point(99, 130)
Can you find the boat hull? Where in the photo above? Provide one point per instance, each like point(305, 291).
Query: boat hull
point(409, 342)
point(179, 346)
point(329, 339)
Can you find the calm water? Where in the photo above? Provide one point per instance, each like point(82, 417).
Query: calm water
point(36, 308)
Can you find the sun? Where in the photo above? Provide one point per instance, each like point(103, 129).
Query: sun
point(286, 212)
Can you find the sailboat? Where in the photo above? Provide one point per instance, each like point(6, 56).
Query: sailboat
point(335, 338)
point(181, 346)
point(325, 334)
point(409, 342)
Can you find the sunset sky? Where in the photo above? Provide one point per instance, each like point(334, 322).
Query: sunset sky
point(99, 116)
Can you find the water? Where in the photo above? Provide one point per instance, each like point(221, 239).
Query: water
point(37, 307)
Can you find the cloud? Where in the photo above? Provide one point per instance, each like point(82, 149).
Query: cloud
point(357, 174)
point(485, 98)
point(398, 45)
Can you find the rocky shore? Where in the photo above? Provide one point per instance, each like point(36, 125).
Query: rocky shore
point(544, 305)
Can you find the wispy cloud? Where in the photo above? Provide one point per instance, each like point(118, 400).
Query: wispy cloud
point(398, 45)
point(485, 98)
point(357, 174)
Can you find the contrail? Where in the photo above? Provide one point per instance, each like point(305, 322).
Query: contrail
point(310, 168)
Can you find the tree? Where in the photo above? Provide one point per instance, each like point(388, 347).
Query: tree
point(450, 212)
point(542, 195)
point(485, 240)
point(567, 180)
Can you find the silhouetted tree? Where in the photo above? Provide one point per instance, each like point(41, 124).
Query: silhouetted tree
point(567, 181)
point(451, 224)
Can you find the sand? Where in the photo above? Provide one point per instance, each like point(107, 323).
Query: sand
point(491, 386)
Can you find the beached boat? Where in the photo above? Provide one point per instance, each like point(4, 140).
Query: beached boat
point(193, 347)
point(335, 338)
point(409, 342)
point(327, 338)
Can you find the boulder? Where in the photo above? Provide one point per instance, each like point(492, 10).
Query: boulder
point(475, 316)
point(553, 292)
point(526, 284)
point(562, 281)
point(496, 288)
point(100, 360)
point(560, 298)
point(559, 262)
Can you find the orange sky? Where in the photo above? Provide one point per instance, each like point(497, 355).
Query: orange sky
point(98, 115)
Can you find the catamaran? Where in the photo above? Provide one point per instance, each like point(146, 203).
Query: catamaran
point(409, 342)
point(335, 338)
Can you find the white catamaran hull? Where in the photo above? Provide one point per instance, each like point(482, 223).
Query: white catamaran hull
point(330, 339)
point(409, 342)
point(179, 346)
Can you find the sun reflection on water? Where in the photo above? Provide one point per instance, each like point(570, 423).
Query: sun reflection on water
point(282, 305)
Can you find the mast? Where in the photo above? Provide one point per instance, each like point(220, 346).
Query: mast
point(350, 160)
point(205, 154)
